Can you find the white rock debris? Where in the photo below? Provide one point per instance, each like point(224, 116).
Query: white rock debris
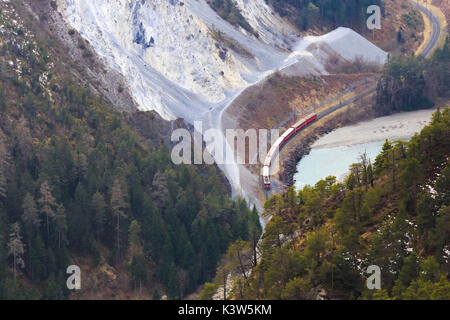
point(168, 53)
point(166, 50)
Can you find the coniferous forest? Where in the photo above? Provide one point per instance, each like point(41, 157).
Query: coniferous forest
point(321, 13)
point(87, 181)
point(391, 211)
point(305, 14)
point(78, 182)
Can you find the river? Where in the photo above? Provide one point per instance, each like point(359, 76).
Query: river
point(333, 153)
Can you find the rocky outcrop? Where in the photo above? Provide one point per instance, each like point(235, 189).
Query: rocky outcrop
point(87, 67)
point(170, 56)
point(168, 53)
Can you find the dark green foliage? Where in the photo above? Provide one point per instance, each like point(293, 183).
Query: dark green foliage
point(188, 230)
point(437, 72)
point(402, 86)
point(325, 13)
point(138, 271)
point(85, 152)
point(228, 11)
point(412, 18)
point(400, 38)
point(326, 236)
point(410, 83)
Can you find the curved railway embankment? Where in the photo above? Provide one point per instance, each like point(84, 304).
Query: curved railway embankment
point(304, 147)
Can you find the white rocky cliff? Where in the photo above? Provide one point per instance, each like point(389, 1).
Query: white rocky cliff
point(167, 52)
point(173, 61)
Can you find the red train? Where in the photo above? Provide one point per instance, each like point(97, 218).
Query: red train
point(279, 144)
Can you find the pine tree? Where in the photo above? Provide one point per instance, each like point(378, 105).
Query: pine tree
point(3, 184)
point(160, 191)
point(47, 203)
point(5, 165)
point(254, 231)
point(30, 216)
point(173, 286)
point(138, 271)
point(16, 248)
point(61, 224)
point(98, 206)
point(134, 232)
point(24, 139)
point(118, 206)
point(3, 253)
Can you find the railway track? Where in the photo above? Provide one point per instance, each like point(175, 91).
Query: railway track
point(435, 34)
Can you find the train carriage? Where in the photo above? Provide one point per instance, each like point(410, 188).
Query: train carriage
point(299, 125)
point(266, 174)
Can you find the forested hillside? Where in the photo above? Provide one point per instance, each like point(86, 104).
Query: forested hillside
point(77, 183)
point(306, 14)
point(411, 83)
point(393, 212)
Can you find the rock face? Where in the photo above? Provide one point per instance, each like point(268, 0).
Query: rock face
point(182, 60)
point(168, 53)
point(173, 53)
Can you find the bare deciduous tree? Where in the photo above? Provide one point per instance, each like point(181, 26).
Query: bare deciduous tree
point(365, 163)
